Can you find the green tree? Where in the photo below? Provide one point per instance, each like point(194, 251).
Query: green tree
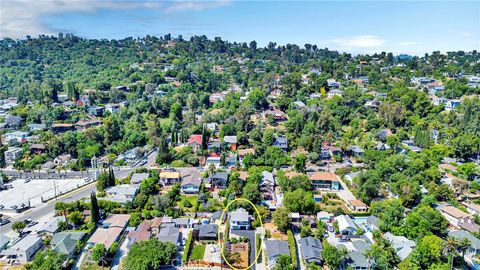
point(252, 193)
point(75, 218)
point(423, 221)
point(99, 252)
point(333, 257)
point(19, 226)
point(300, 163)
point(94, 208)
point(299, 201)
point(281, 219)
point(428, 252)
point(150, 255)
point(469, 169)
point(47, 260)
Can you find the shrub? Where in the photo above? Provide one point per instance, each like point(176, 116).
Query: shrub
point(188, 246)
point(293, 248)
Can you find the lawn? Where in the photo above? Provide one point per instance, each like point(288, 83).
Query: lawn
point(191, 199)
point(197, 253)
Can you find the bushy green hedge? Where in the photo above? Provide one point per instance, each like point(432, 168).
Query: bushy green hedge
point(293, 248)
point(188, 246)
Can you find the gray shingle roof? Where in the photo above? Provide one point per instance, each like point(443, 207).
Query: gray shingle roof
point(66, 242)
point(208, 230)
point(137, 178)
point(276, 248)
point(169, 234)
point(311, 248)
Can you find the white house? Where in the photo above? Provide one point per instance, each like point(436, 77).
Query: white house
point(12, 154)
point(240, 219)
point(346, 225)
point(16, 136)
point(25, 249)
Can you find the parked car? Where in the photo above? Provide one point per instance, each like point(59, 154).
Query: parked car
point(4, 221)
point(27, 180)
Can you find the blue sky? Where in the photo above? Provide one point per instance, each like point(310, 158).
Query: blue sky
point(354, 26)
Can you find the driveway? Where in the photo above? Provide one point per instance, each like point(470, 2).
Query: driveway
point(121, 253)
point(250, 234)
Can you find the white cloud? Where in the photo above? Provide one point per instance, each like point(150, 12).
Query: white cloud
point(195, 5)
point(357, 42)
point(19, 18)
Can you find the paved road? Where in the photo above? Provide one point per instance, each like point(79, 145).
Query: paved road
point(39, 212)
point(48, 208)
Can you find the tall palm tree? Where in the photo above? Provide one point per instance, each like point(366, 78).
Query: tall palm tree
point(463, 246)
point(449, 249)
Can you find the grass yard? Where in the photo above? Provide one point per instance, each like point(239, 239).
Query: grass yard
point(191, 199)
point(197, 253)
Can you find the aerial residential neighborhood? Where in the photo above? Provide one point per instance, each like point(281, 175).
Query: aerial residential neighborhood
point(300, 149)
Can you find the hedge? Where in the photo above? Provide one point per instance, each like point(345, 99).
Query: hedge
point(293, 248)
point(188, 246)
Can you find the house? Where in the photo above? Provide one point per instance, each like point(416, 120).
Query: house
point(25, 249)
point(96, 110)
point(111, 230)
point(13, 121)
point(214, 146)
point(410, 144)
point(195, 141)
point(402, 245)
point(218, 180)
point(215, 161)
point(380, 146)
point(281, 142)
point(332, 83)
point(51, 226)
point(85, 124)
point(454, 215)
point(325, 180)
point(357, 206)
point(451, 104)
point(62, 127)
point(239, 219)
point(275, 248)
point(358, 261)
point(311, 250)
point(346, 225)
point(276, 114)
point(62, 160)
point(37, 127)
point(16, 137)
point(137, 178)
point(216, 97)
point(4, 240)
point(142, 233)
point(66, 242)
point(190, 185)
point(356, 151)
point(205, 232)
point(334, 93)
point(37, 148)
point(325, 216)
point(372, 223)
point(473, 250)
point(267, 185)
point(191, 181)
point(230, 141)
point(155, 225)
point(122, 193)
point(472, 208)
point(243, 152)
point(112, 107)
point(169, 177)
point(169, 234)
point(12, 154)
point(184, 223)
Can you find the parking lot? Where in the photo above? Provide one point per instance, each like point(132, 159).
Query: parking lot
point(33, 191)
